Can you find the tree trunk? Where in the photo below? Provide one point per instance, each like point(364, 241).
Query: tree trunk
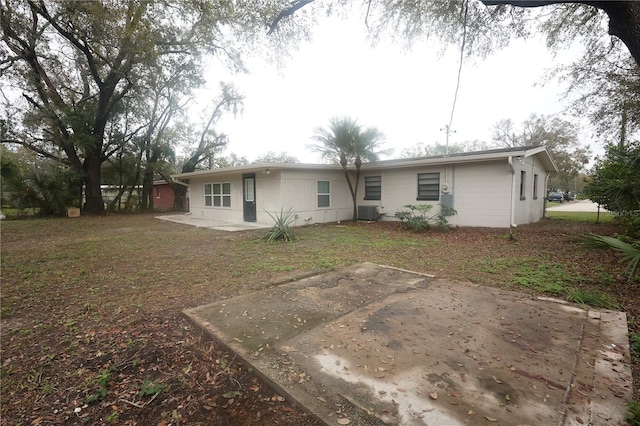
point(146, 201)
point(624, 22)
point(355, 191)
point(352, 191)
point(180, 200)
point(92, 191)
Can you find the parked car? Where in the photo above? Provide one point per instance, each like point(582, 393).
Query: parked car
point(556, 196)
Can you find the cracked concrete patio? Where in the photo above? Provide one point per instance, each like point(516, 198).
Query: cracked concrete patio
point(371, 344)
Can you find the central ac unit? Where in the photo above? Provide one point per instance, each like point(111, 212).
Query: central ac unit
point(367, 212)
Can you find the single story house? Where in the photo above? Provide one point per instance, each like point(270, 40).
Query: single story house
point(496, 188)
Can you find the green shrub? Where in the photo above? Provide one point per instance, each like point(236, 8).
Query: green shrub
point(420, 217)
point(634, 413)
point(591, 298)
point(281, 229)
point(634, 344)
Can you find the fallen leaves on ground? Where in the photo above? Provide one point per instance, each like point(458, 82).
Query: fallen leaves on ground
point(92, 330)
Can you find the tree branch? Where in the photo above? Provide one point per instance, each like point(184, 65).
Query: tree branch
point(624, 17)
point(297, 4)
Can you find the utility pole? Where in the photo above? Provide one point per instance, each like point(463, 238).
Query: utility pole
point(447, 130)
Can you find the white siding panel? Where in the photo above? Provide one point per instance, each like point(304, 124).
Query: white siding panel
point(399, 187)
point(299, 191)
point(268, 196)
point(196, 198)
point(530, 210)
point(482, 194)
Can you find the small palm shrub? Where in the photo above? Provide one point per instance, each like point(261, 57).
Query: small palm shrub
point(420, 217)
point(630, 253)
point(281, 229)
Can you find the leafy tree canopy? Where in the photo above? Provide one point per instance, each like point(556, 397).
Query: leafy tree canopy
point(560, 136)
point(615, 180)
point(423, 150)
point(345, 142)
point(491, 24)
point(272, 157)
point(76, 62)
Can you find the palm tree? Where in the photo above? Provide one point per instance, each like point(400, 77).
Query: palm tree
point(346, 142)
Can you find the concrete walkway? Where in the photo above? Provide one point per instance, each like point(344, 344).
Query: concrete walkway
point(372, 345)
point(220, 225)
point(576, 206)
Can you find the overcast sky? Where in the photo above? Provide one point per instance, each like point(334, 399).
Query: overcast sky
point(407, 95)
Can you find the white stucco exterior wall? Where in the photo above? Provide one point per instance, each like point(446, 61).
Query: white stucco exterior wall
point(276, 191)
point(196, 197)
point(485, 188)
point(531, 208)
point(299, 192)
point(482, 192)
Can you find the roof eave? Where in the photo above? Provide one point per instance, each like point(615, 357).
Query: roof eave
point(255, 168)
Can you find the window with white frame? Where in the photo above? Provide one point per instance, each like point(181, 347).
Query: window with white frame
point(535, 187)
point(523, 179)
point(372, 187)
point(324, 194)
point(217, 194)
point(249, 194)
point(428, 186)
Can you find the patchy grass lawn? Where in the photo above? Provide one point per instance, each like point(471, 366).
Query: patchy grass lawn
point(92, 330)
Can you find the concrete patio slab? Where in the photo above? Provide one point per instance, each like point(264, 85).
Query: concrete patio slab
point(372, 345)
point(220, 225)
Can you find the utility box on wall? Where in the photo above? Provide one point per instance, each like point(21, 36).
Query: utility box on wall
point(446, 200)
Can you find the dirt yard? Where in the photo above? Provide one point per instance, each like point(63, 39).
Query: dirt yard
point(92, 330)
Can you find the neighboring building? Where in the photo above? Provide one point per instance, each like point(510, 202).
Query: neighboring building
point(163, 195)
point(495, 188)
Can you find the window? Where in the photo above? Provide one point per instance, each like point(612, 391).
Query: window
point(324, 194)
point(428, 186)
point(249, 195)
point(535, 187)
point(157, 192)
point(217, 194)
point(523, 176)
point(372, 187)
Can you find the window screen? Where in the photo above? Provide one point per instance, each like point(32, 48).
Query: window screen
point(324, 194)
point(372, 188)
point(429, 186)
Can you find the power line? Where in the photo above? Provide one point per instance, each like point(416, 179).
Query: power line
point(455, 96)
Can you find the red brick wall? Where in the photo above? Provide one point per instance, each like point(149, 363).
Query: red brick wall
point(163, 197)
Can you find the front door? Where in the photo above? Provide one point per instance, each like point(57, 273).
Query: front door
point(249, 193)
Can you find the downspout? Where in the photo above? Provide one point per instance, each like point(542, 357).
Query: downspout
point(513, 189)
point(546, 184)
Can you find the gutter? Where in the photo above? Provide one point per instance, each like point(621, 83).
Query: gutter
point(513, 189)
point(174, 180)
